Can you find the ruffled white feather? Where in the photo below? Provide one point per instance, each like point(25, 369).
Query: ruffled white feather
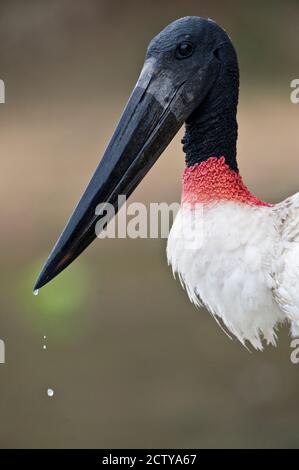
point(242, 262)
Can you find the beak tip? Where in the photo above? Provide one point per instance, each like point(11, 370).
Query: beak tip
point(52, 267)
point(40, 282)
point(47, 273)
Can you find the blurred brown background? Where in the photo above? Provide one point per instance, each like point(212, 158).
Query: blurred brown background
point(132, 362)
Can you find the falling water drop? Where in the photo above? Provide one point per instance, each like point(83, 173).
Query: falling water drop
point(50, 392)
point(45, 337)
point(35, 292)
point(44, 346)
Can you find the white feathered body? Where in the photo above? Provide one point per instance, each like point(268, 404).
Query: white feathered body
point(243, 264)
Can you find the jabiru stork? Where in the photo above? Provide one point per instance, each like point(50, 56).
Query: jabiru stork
point(246, 268)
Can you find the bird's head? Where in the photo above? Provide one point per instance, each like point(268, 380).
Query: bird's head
point(182, 62)
point(182, 75)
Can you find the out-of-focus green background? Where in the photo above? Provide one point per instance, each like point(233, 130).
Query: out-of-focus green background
point(132, 362)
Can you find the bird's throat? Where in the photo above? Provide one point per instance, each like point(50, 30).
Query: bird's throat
point(214, 181)
point(210, 140)
point(212, 133)
point(212, 129)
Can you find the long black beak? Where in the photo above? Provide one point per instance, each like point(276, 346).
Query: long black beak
point(154, 113)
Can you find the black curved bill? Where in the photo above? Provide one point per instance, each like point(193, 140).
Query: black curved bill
point(153, 115)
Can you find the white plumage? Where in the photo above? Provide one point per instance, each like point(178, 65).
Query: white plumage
point(244, 267)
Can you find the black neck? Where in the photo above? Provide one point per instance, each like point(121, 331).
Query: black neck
point(212, 130)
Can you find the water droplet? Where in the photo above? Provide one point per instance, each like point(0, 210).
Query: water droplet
point(44, 346)
point(50, 392)
point(35, 292)
point(45, 337)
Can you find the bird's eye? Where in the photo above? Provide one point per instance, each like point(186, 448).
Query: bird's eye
point(184, 49)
